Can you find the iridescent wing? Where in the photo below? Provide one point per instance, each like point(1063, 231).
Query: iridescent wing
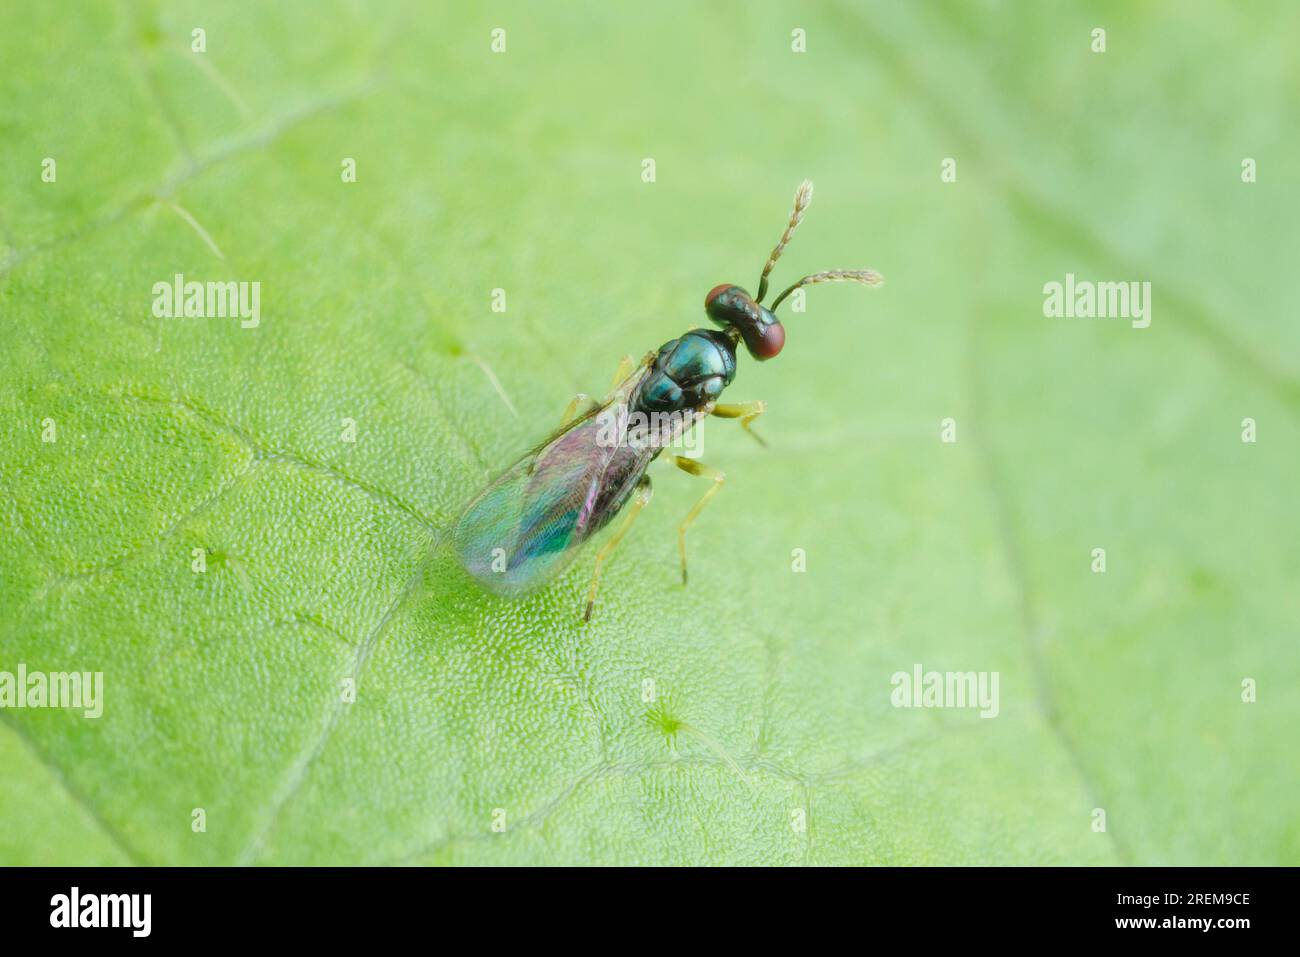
point(526, 526)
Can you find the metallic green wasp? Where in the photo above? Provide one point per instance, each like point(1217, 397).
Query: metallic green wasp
point(527, 526)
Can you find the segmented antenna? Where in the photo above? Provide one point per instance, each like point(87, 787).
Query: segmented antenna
point(802, 198)
point(866, 277)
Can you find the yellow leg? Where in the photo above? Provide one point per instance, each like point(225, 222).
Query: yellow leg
point(571, 409)
point(708, 471)
point(625, 367)
point(639, 501)
point(747, 412)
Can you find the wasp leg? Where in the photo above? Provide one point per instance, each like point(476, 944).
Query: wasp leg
point(708, 471)
point(640, 501)
point(625, 367)
point(747, 412)
point(571, 410)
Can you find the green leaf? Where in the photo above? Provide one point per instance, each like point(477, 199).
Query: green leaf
point(747, 718)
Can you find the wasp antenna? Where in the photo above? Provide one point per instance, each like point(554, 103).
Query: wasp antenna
point(802, 198)
point(866, 277)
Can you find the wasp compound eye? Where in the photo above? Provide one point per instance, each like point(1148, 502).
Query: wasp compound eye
point(717, 291)
point(729, 305)
point(765, 339)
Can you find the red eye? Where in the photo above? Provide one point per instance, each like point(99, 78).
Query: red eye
point(769, 343)
point(715, 292)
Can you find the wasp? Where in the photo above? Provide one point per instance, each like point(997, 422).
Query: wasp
point(529, 524)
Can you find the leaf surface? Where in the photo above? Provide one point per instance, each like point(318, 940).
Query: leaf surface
point(745, 719)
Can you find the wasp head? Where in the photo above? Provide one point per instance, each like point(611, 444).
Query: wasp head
point(732, 308)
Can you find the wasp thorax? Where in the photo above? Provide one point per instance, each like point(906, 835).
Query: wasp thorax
point(731, 306)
